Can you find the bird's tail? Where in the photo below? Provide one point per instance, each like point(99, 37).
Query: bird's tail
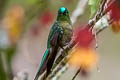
point(43, 64)
point(50, 62)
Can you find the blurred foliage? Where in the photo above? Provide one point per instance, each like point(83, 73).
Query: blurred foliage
point(2, 71)
point(2, 7)
point(13, 26)
point(94, 4)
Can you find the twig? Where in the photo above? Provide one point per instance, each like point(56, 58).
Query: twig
point(59, 70)
point(100, 13)
point(78, 71)
point(104, 27)
point(63, 54)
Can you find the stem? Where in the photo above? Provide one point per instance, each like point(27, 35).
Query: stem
point(78, 71)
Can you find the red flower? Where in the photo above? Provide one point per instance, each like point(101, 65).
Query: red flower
point(114, 7)
point(84, 37)
point(47, 17)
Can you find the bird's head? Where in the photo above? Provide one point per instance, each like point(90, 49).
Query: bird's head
point(63, 14)
point(63, 11)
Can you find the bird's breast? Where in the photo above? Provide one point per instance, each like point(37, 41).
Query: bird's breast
point(67, 34)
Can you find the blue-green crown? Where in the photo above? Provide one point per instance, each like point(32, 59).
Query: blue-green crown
point(62, 9)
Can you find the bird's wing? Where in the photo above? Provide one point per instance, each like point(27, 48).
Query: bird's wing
point(48, 53)
point(52, 41)
point(56, 33)
point(48, 57)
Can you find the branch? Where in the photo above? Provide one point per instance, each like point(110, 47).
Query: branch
point(100, 13)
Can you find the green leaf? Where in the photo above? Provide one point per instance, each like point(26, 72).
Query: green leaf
point(93, 6)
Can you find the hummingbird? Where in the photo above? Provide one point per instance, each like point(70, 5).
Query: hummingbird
point(60, 36)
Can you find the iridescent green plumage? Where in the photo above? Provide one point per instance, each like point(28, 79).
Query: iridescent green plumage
point(59, 36)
